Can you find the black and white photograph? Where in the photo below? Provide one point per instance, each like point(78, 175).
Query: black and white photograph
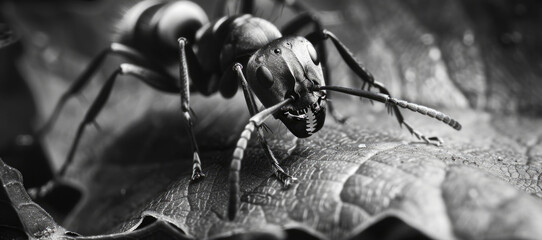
point(271, 119)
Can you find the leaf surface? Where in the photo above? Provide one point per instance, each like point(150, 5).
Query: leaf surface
point(483, 183)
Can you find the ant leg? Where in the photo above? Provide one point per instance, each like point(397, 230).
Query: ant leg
point(184, 84)
point(249, 96)
point(368, 80)
point(154, 79)
point(386, 99)
point(148, 76)
point(84, 78)
point(395, 103)
point(254, 122)
point(348, 57)
point(286, 179)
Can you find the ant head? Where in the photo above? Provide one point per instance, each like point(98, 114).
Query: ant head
point(290, 67)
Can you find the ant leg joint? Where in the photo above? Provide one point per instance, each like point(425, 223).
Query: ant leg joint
point(197, 173)
point(182, 39)
point(326, 33)
point(237, 66)
point(286, 179)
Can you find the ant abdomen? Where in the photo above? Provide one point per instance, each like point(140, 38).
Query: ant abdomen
point(153, 27)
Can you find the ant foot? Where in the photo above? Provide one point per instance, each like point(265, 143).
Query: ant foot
point(197, 175)
point(196, 168)
point(286, 179)
point(433, 140)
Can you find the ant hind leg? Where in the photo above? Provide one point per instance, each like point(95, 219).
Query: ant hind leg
point(85, 77)
point(154, 79)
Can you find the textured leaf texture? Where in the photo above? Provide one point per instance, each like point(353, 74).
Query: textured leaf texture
point(477, 61)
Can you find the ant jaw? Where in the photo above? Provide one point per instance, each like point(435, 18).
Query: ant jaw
point(301, 114)
point(306, 121)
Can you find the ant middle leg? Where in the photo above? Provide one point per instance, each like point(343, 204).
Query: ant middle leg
point(368, 80)
point(187, 56)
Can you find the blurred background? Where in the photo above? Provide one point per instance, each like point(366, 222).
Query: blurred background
point(464, 56)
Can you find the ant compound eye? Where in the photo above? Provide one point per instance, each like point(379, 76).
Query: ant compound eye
point(313, 54)
point(264, 76)
point(277, 50)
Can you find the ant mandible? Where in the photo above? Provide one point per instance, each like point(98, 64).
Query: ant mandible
point(286, 72)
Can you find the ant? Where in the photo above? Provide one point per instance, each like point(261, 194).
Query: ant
point(288, 75)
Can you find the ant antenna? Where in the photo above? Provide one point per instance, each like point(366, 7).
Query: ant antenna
point(390, 102)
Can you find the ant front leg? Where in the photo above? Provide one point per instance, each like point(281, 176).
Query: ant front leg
point(368, 80)
point(254, 122)
point(281, 175)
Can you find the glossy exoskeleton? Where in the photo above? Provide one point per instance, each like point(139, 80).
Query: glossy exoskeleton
point(288, 75)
